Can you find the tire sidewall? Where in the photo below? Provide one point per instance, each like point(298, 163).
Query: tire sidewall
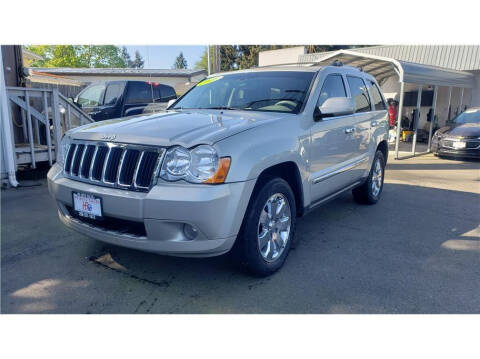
point(253, 258)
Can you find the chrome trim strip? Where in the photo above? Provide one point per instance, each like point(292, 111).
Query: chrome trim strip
point(104, 169)
point(120, 166)
point(91, 164)
point(136, 170)
point(339, 170)
point(81, 161)
point(73, 159)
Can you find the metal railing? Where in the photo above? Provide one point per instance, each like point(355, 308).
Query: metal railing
point(45, 116)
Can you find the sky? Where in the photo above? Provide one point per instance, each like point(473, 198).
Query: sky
point(163, 57)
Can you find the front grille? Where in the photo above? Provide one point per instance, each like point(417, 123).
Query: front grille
point(125, 166)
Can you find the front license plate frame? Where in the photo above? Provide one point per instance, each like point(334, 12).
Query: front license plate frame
point(87, 205)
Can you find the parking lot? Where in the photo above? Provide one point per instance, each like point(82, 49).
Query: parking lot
point(416, 251)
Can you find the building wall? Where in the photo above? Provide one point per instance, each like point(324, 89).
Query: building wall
point(471, 97)
point(280, 56)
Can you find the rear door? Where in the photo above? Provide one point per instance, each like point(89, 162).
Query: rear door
point(361, 135)
point(139, 94)
point(332, 143)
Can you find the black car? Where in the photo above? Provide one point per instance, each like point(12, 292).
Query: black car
point(461, 136)
point(113, 99)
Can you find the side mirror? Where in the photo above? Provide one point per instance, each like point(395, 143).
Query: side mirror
point(170, 103)
point(334, 106)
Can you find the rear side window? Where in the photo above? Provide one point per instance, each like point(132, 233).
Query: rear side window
point(139, 92)
point(163, 93)
point(113, 93)
point(333, 86)
point(359, 94)
point(377, 97)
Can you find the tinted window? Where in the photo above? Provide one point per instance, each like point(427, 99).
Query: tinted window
point(359, 94)
point(333, 86)
point(163, 93)
point(113, 93)
point(139, 92)
point(168, 93)
point(276, 91)
point(377, 97)
point(91, 96)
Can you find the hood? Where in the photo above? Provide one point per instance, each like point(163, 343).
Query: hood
point(462, 130)
point(174, 128)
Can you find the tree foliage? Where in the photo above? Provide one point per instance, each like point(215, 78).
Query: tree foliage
point(79, 56)
point(180, 62)
point(237, 57)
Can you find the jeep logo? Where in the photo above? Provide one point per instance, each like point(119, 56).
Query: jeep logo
point(109, 137)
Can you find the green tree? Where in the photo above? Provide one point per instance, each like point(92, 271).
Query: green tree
point(180, 62)
point(126, 57)
point(138, 62)
point(78, 56)
point(248, 56)
point(228, 57)
point(202, 64)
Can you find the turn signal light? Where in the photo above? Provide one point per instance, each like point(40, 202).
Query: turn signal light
point(222, 171)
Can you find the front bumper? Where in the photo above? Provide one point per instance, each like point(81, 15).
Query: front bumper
point(447, 151)
point(215, 211)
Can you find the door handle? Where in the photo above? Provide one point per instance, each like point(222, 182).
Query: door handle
point(374, 124)
point(350, 130)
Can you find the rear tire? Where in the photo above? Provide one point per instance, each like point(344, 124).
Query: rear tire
point(268, 228)
point(371, 190)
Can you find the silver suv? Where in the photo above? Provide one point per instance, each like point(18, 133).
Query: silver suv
point(229, 166)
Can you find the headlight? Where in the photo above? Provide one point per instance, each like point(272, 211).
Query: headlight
point(198, 165)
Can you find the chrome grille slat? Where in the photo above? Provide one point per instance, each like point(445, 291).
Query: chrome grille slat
point(92, 163)
point(125, 166)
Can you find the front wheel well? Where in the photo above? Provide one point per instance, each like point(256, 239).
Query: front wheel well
point(383, 146)
point(289, 172)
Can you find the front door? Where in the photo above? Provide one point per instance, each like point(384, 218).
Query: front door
point(333, 144)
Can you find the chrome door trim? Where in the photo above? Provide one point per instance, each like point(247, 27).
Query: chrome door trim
point(340, 170)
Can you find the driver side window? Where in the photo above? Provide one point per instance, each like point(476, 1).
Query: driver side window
point(333, 86)
point(92, 96)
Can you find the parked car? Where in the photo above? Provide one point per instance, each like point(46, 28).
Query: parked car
point(460, 137)
point(113, 99)
point(230, 166)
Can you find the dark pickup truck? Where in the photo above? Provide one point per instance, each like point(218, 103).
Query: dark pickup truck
point(113, 99)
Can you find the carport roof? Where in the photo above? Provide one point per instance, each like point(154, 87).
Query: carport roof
point(384, 67)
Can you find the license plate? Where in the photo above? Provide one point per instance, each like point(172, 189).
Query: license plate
point(459, 144)
point(87, 205)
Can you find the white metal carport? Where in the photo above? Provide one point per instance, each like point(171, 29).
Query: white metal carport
point(383, 68)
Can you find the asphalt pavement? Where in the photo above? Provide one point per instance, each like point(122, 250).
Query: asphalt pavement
point(416, 251)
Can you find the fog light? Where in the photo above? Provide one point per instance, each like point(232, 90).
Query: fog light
point(190, 231)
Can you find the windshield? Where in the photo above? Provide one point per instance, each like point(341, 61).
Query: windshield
point(276, 91)
point(468, 116)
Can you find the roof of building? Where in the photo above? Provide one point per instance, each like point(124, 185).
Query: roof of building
point(384, 67)
point(120, 72)
point(456, 57)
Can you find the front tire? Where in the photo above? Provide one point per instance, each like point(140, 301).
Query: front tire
point(268, 228)
point(371, 190)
